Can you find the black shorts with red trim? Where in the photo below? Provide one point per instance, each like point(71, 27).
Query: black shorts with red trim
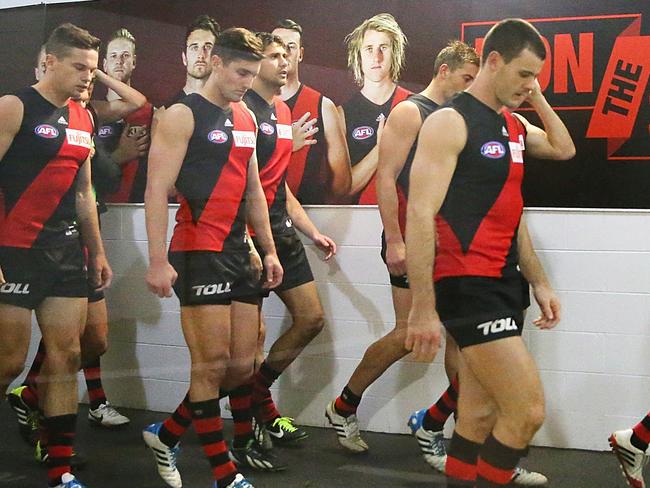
point(31, 275)
point(212, 278)
point(293, 259)
point(477, 309)
point(396, 281)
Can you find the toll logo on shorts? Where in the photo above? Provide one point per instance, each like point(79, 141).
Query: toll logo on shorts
point(15, 288)
point(267, 128)
point(362, 133)
point(217, 136)
point(46, 131)
point(493, 150)
point(497, 326)
point(213, 289)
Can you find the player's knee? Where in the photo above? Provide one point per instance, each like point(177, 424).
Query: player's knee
point(535, 415)
point(212, 369)
point(482, 419)
point(313, 324)
point(94, 348)
point(65, 359)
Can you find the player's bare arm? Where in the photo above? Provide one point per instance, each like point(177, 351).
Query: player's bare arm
point(338, 157)
point(130, 99)
point(400, 132)
point(552, 142)
point(442, 138)
point(166, 156)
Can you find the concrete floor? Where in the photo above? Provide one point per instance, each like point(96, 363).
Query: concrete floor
point(118, 459)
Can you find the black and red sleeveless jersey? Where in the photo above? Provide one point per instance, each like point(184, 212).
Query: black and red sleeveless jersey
point(175, 99)
point(426, 106)
point(38, 173)
point(361, 122)
point(308, 173)
point(211, 183)
point(478, 221)
point(134, 172)
point(274, 144)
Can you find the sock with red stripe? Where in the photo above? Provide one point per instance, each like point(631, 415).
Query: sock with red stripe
point(641, 434)
point(439, 412)
point(177, 424)
point(61, 438)
point(462, 457)
point(262, 401)
point(93, 374)
point(496, 463)
point(206, 418)
point(240, 406)
point(347, 403)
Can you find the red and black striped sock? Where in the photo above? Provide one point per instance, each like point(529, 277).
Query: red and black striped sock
point(462, 457)
point(496, 463)
point(242, 416)
point(35, 369)
point(641, 434)
point(265, 408)
point(177, 424)
point(206, 417)
point(435, 418)
point(93, 374)
point(61, 438)
point(347, 403)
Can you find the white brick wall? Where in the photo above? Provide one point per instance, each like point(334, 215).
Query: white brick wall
point(594, 366)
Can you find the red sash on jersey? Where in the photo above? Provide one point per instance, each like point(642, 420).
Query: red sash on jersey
point(490, 246)
point(369, 193)
point(140, 118)
point(309, 100)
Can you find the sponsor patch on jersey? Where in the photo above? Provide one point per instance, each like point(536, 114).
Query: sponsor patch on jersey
point(267, 128)
point(79, 138)
point(46, 131)
point(493, 150)
point(284, 131)
point(516, 152)
point(362, 133)
point(217, 136)
point(105, 131)
point(244, 138)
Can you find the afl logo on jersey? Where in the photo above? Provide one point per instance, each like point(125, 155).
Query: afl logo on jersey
point(105, 131)
point(363, 133)
point(493, 150)
point(267, 128)
point(46, 131)
point(217, 136)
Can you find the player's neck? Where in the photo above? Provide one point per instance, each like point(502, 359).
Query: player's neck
point(212, 92)
point(483, 90)
point(378, 92)
point(291, 88)
point(50, 93)
point(193, 85)
point(434, 92)
point(265, 91)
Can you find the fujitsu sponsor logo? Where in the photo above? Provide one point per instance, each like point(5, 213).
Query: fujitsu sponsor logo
point(217, 136)
point(15, 288)
point(362, 133)
point(493, 150)
point(46, 131)
point(244, 138)
point(78, 138)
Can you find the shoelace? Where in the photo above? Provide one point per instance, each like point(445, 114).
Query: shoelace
point(351, 426)
point(285, 423)
point(173, 454)
point(437, 446)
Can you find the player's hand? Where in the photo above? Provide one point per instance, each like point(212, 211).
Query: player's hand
point(160, 278)
point(131, 147)
point(325, 244)
point(380, 127)
point(256, 264)
point(274, 271)
point(100, 272)
point(302, 130)
point(423, 335)
point(2, 277)
point(535, 95)
point(549, 305)
point(396, 258)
